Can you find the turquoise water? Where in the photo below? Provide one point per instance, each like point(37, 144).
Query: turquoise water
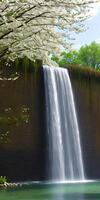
point(76, 191)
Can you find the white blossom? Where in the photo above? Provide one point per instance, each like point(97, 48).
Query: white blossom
point(36, 28)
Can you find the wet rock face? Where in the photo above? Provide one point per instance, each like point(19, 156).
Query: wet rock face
point(87, 98)
point(22, 135)
point(23, 140)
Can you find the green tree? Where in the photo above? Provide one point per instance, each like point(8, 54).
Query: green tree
point(89, 55)
point(67, 58)
point(55, 58)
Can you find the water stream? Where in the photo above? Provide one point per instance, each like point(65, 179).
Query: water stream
point(65, 155)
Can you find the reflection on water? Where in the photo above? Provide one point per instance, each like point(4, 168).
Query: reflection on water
point(69, 197)
point(86, 191)
point(65, 191)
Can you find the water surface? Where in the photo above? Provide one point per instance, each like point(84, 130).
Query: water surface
point(75, 191)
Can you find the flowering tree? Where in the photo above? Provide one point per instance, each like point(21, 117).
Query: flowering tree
point(35, 28)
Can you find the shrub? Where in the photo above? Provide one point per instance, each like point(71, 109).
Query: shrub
point(3, 179)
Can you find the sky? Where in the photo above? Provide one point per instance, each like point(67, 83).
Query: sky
point(93, 29)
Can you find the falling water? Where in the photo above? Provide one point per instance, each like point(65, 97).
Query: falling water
point(65, 156)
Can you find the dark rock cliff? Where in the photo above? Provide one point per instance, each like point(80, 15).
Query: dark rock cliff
point(22, 121)
point(23, 145)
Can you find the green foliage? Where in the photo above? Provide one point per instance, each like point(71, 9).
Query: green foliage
point(70, 58)
point(3, 180)
point(66, 58)
point(87, 56)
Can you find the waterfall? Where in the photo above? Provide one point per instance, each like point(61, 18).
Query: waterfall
point(65, 155)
